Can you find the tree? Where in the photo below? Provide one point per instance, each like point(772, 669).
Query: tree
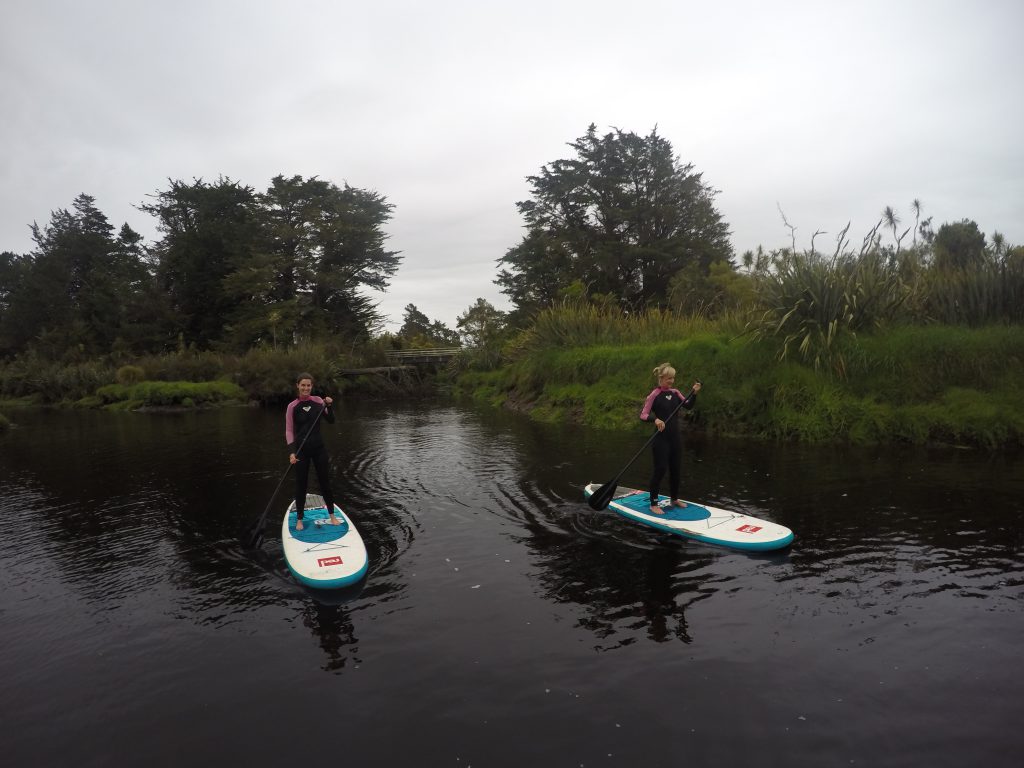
point(209, 232)
point(414, 322)
point(623, 217)
point(324, 245)
point(481, 324)
point(13, 269)
point(441, 334)
point(67, 276)
point(419, 331)
point(10, 269)
point(1014, 258)
point(892, 221)
point(998, 245)
point(693, 293)
point(915, 208)
point(144, 310)
point(960, 245)
point(539, 268)
point(73, 292)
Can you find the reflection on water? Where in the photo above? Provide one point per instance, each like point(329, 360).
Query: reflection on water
point(498, 603)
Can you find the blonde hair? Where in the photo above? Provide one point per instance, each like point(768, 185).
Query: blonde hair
point(665, 369)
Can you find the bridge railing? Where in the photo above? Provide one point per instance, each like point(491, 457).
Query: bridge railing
point(435, 355)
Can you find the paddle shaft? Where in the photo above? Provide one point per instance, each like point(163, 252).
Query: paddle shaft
point(651, 438)
point(255, 534)
point(603, 495)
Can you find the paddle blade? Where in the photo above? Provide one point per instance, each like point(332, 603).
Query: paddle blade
point(602, 497)
point(253, 538)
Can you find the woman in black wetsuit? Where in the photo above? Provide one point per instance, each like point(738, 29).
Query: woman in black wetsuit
point(305, 444)
point(662, 407)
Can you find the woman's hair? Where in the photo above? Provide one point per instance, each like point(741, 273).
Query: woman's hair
point(665, 369)
point(302, 376)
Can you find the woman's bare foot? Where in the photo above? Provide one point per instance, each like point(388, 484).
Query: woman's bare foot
point(656, 510)
point(678, 503)
point(334, 520)
point(298, 525)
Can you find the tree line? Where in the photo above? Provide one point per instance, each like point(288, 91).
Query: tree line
point(621, 224)
point(624, 225)
point(232, 268)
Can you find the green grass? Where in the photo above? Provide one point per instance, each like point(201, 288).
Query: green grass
point(187, 394)
point(916, 384)
point(265, 375)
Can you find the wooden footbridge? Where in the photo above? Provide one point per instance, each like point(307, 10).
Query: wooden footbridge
point(409, 360)
point(436, 356)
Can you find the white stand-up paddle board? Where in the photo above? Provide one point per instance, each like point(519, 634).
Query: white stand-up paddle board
point(323, 555)
point(699, 521)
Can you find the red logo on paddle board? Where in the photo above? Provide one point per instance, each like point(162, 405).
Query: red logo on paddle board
point(749, 528)
point(323, 562)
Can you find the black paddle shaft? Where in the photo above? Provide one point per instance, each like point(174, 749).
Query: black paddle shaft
point(602, 497)
point(254, 537)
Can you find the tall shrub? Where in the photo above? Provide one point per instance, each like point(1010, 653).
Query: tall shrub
point(814, 303)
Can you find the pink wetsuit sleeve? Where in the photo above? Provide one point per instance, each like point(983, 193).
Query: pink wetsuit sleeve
point(648, 403)
point(289, 423)
point(688, 399)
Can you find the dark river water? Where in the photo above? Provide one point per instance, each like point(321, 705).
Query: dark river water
point(503, 622)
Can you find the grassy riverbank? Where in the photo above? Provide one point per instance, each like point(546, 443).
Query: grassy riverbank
point(187, 378)
point(914, 384)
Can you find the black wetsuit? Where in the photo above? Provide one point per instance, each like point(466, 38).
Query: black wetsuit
point(667, 445)
point(301, 420)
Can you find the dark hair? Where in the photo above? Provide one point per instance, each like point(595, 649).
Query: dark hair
point(304, 375)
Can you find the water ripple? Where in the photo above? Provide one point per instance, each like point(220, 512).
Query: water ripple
point(493, 585)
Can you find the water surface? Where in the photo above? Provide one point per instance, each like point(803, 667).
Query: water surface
point(503, 622)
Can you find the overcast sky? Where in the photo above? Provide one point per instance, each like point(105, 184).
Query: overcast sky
point(830, 111)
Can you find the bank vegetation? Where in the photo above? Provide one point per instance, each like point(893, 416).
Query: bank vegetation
point(906, 332)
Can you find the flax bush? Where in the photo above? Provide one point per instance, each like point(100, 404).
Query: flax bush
point(814, 303)
point(992, 292)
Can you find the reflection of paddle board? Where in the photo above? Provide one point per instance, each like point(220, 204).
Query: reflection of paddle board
point(696, 521)
point(323, 555)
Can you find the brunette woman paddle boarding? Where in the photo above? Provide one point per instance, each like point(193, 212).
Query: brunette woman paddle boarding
point(321, 545)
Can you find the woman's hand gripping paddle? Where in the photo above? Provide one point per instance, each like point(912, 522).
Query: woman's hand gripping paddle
point(602, 497)
point(253, 536)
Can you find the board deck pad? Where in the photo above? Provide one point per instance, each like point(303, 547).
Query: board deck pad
point(316, 525)
point(702, 522)
point(323, 555)
point(640, 501)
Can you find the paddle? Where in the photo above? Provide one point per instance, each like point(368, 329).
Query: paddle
point(253, 538)
point(603, 496)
